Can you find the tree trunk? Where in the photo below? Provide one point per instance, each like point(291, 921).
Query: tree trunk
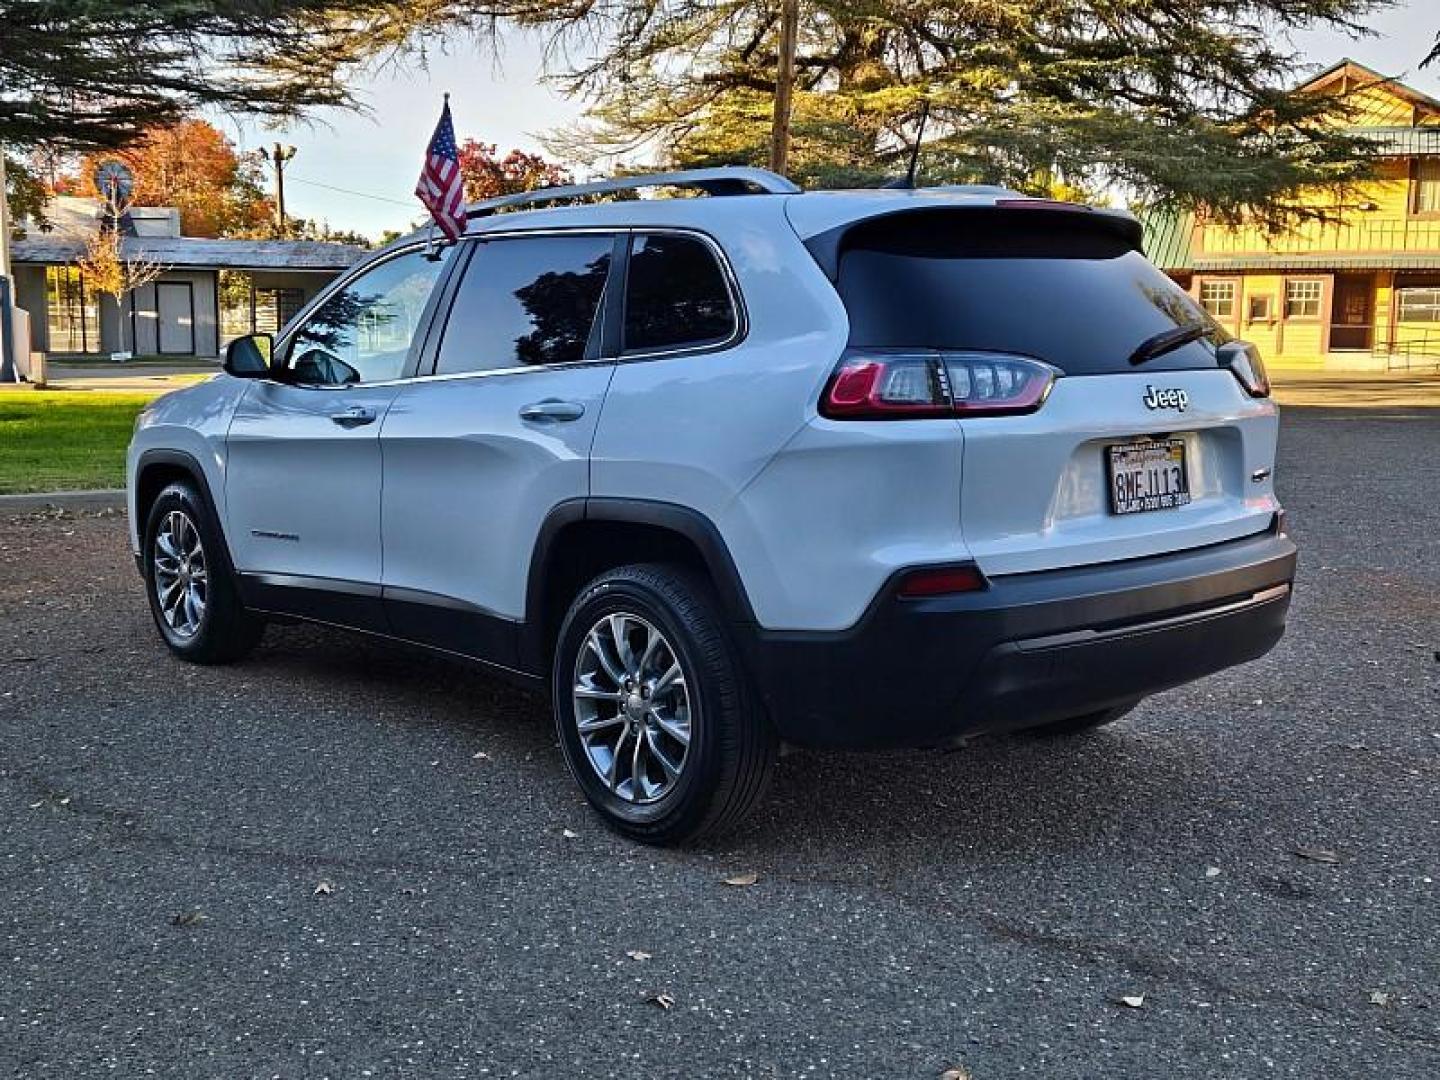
point(784, 86)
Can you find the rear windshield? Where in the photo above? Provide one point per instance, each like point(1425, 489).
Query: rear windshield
point(1023, 281)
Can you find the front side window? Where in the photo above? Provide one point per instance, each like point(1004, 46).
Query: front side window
point(675, 295)
point(1218, 298)
point(1302, 299)
point(363, 333)
point(527, 301)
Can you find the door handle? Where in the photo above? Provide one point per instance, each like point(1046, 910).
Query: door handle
point(355, 416)
point(552, 410)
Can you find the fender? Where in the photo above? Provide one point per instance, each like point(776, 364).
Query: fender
point(694, 526)
point(192, 467)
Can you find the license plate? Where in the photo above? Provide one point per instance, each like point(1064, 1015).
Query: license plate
point(1147, 475)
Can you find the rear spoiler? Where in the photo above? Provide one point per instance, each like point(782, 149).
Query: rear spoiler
point(827, 247)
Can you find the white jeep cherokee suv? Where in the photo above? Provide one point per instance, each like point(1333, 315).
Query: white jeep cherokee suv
point(853, 469)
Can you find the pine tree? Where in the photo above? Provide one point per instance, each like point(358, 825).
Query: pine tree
point(1174, 101)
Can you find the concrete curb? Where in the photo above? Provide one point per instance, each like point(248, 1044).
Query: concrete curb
point(102, 499)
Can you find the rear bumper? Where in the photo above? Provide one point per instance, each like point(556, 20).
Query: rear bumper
point(1031, 649)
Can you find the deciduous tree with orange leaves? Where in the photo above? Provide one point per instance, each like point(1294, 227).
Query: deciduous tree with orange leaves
point(193, 167)
point(487, 175)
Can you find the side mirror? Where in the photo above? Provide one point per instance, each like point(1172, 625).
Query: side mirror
point(249, 357)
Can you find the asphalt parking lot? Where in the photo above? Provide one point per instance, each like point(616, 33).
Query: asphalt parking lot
point(338, 859)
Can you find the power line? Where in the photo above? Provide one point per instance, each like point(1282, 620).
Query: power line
point(350, 191)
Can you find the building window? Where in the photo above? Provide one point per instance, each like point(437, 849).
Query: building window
point(1427, 186)
point(1418, 305)
point(72, 312)
point(1302, 299)
point(245, 309)
point(1218, 298)
point(1259, 310)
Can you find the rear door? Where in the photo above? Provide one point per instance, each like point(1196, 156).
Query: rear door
point(480, 451)
point(1123, 460)
point(302, 485)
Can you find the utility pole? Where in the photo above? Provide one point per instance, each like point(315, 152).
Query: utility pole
point(279, 157)
point(8, 359)
point(784, 86)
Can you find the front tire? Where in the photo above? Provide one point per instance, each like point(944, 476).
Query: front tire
point(654, 713)
point(190, 583)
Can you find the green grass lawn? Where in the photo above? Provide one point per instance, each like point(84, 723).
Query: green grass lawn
point(65, 440)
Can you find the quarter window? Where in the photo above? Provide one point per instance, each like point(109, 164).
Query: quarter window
point(363, 333)
point(1302, 299)
point(676, 296)
point(1218, 298)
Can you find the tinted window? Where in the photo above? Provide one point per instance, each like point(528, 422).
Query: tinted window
point(363, 333)
point(1032, 282)
point(675, 295)
point(526, 301)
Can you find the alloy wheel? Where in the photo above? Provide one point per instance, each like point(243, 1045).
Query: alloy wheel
point(632, 707)
point(181, 574)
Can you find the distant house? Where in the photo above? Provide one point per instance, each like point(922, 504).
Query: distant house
point(1359, 292)
point(211, 290)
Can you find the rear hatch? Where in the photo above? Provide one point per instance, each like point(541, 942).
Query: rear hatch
point(1120, 459)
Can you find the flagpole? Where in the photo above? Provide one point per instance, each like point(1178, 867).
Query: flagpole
point(8, 361)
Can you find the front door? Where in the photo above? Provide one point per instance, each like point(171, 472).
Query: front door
point(477, 455)
point(175, 318)
point(302, 485)
point(1352, 319)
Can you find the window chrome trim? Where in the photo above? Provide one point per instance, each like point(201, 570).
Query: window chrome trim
point(740, 320)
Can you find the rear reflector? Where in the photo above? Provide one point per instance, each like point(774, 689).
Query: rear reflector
point(941, 581)
point(876, 385)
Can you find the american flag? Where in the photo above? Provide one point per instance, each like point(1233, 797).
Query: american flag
point(440, 187)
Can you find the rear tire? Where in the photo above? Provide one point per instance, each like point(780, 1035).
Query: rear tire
point(653, 710)
point(191, 584)
point(1078, 725)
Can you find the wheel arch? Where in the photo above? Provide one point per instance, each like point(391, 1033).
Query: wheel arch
point(582, 538)
point(158, 469)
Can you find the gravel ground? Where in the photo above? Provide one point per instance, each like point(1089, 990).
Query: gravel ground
point(340, 859)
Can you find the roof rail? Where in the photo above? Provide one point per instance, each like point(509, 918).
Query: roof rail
point(727, 180)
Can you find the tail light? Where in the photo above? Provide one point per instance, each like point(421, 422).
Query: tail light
point(871, 385)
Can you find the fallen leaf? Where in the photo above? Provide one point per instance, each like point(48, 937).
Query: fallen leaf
point(637, 954)
point(324, 888)
point(1134, 1001)
point(743, 880)
point(957, 1073)
point(188, 918)
point(1379, 997)
point(1212, 871)
point(665, 1001)
point(1317, 855)
point(569, 834)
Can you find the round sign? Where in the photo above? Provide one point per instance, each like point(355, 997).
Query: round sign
point(114, 180)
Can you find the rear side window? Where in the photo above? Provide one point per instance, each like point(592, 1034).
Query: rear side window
point(676, 296)
point(1035, 282)
point(526, 301)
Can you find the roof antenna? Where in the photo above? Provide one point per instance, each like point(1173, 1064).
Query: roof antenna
point(909, 180)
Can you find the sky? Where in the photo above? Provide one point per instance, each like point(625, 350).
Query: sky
point(358, 171)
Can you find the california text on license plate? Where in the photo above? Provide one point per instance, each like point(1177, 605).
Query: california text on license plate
point(1147, 475)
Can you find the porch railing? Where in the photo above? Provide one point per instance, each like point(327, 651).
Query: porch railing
point(1417, 351)
point(1360, 234)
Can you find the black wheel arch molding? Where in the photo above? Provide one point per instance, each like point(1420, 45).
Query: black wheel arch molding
point(186, 463)
point(687, 524)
